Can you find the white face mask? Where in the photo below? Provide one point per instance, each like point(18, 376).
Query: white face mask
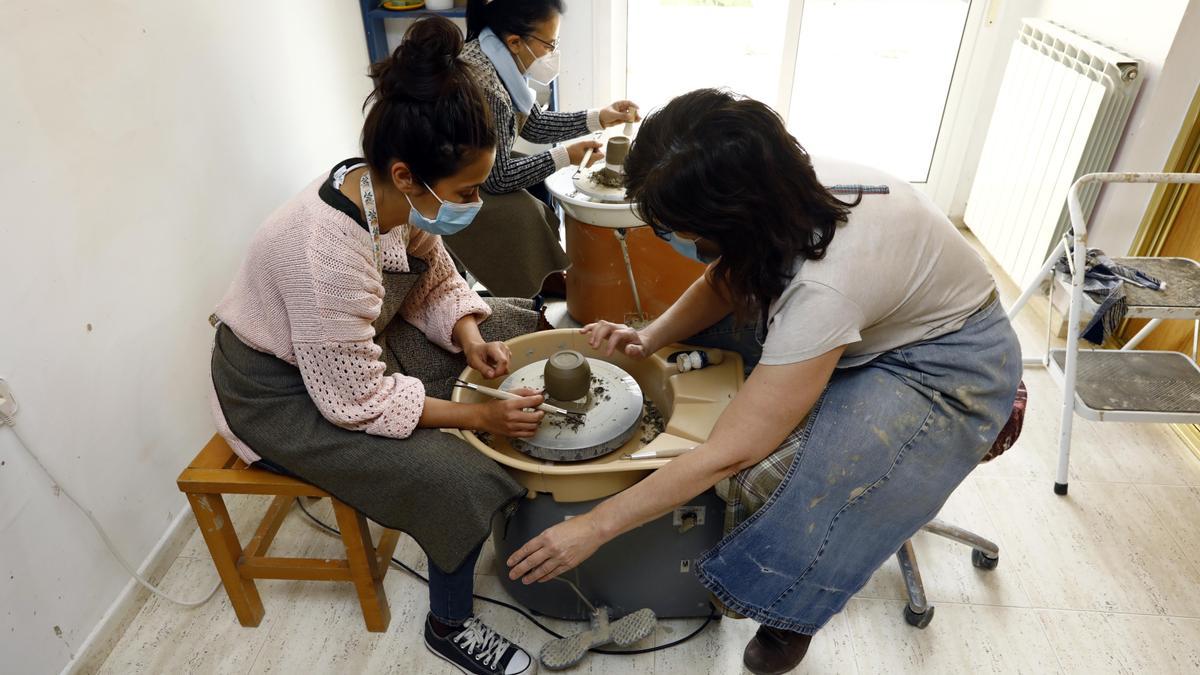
point(544, 68)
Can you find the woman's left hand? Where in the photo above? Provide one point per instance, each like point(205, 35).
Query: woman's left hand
point(619, 112)
point(556, 550)
point(489, 358)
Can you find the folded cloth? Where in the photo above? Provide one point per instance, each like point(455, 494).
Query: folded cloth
point(1103, 284)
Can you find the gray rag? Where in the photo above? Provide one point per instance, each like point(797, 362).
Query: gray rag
point(1104, 283)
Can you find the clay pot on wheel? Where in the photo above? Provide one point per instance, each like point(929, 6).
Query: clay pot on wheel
point(567, 376)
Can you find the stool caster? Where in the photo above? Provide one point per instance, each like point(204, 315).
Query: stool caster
point(919, 620)
point(983, 561)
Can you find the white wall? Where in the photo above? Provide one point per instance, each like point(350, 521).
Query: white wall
point(1165, 36)
point(141, 142)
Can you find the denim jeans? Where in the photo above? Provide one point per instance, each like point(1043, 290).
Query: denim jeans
point(727, 334)
point(878, 456)
point(451, 593)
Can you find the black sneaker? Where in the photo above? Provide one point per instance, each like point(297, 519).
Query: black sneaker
point(477, 649)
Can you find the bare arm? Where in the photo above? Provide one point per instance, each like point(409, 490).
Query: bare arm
point(771, 405)
point(698, 308)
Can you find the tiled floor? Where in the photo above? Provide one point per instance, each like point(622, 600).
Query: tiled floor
point(1106, 580)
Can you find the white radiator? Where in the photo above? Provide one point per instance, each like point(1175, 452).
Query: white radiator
point(1061, 112)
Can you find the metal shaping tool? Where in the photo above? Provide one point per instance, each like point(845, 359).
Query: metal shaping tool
point(509, 396)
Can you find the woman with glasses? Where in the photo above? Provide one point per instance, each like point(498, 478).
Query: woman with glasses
point(511, 42)
point(888, 367)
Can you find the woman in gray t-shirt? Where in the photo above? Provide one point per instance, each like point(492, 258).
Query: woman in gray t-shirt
point(888, 366)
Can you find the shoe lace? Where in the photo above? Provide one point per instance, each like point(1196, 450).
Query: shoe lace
point(481, 642)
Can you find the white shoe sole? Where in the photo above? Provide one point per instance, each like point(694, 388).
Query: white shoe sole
point(532, 670)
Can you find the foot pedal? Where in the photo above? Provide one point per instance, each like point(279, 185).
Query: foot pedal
point(566, 652)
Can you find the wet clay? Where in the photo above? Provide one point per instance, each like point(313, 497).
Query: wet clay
point(613, 173)
point(567, 376)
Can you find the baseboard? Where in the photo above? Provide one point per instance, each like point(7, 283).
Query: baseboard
point(92, 653)
point(1190, 433)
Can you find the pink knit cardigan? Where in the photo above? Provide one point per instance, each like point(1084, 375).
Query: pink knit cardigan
point(308, 292)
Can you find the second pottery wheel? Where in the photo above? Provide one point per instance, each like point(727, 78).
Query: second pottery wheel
point(605, 181)
point(598, 192)
point(613, 411)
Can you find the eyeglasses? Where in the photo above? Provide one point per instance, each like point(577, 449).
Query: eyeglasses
point(661, 232)
point(552, 45)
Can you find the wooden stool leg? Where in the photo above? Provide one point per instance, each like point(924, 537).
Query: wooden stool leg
point(360, 554)
point(226, 551)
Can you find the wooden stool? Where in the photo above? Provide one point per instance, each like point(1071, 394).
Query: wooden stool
point(215, 472)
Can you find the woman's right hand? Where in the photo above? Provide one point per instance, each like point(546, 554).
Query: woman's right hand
point(609, 337)
point(576, 151)
point(512, 418)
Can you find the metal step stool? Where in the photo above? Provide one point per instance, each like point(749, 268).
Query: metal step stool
point(1129, 385)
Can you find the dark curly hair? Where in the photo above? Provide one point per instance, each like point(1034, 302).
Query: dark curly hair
point(724, 168)
point(426, 110)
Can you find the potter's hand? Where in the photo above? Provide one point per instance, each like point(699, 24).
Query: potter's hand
point(489, 358)
point(514, 418)
point(576, 151)
point(556, 550)
point(609, 337)
point(619, 112)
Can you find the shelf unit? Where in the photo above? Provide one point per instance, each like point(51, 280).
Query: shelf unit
point(373, 17)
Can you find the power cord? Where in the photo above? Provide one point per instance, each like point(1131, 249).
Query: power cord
point(112, 548)
point(332, 531)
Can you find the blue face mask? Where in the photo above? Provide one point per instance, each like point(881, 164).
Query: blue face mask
point(687, 248)
point(451, 218)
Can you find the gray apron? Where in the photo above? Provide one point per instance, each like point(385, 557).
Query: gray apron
point(512, 245)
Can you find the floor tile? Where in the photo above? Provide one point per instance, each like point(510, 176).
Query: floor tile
point(167, 638)
point(1179, 509)
point(718, 650)
point(1095, 643)
point(1100, 548)
point(320, 629)
point(960, 639)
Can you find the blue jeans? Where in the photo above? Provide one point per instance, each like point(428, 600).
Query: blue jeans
point(451, 594)
point(878, 456)
point(728, 335)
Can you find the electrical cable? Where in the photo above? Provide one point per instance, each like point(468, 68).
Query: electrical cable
point(112, 548)
point(332, 531)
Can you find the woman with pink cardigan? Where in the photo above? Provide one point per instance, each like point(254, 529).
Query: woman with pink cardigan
point(341, 334)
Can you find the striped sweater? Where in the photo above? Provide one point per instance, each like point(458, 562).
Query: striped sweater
point(509, 173)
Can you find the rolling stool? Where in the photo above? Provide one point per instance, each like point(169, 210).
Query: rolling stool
point(984, 554)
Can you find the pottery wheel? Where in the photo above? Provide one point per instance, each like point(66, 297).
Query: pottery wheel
point(613, 409)
point(596, 191)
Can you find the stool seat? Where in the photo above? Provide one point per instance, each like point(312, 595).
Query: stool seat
point(216, 471)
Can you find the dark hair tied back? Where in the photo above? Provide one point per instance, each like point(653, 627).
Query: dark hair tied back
point(426, 109)
point(509, 17)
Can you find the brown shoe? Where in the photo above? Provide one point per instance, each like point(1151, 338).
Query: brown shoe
point(774, 651)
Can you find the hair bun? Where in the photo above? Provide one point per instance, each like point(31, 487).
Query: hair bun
point(424, 63)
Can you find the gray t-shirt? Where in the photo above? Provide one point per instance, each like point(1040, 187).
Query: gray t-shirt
point(898, 272)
